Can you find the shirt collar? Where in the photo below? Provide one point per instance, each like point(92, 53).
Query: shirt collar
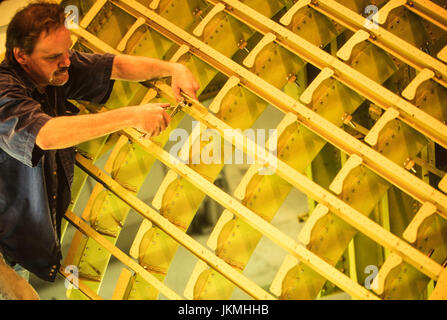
point(23, 76)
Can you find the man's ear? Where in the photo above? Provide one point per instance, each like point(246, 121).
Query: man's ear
point(20, 55)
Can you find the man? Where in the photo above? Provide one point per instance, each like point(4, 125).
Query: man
point(38, 129)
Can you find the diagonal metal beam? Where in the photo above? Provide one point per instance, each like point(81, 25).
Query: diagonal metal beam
point(124, 258)
point(301, 182)
point(322, 127)
point(383, 38)
point(189, 243)
point(352, 78)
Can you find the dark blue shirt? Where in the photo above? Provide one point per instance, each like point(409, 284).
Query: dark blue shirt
point(34, 183)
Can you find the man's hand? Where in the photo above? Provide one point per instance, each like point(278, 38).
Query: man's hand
point(183, 80)
point(67, 131)
point(134, 68)
point(152, 118)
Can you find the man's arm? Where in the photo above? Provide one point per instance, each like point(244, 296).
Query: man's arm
point(64, 132)
point(134, 68)
point(67, 131)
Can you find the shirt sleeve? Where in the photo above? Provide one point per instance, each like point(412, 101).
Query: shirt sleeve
point(21, 118)
point(89, 77)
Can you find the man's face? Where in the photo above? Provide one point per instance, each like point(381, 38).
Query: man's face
point(48, 63)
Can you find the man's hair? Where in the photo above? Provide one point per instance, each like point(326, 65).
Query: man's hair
point(28, 24)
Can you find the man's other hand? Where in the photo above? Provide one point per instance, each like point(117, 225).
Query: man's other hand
point(153, 118)
point(183, 80)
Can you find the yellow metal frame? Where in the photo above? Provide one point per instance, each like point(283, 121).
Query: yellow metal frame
point(359, 153)
point(374, 160)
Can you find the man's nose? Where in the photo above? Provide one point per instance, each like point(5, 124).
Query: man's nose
point(65, 62)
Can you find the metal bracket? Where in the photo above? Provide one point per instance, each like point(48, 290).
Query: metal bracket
point(199, 268)
point(288, 263)
point(373, 135)
point(306, 96)
point(440, 292)
point(286, 19)
point(179, 53)
point(393, 261)
point(382, 15)
point(249, 61)
point(288, 119)
point(410, 234)
point(217, 101)
point(198, 31)
point(337, 184)
point(170, 177)
point(239, 193)
point(442, 55)
point(154, 4)
point(135, 248)
point(123, 43)
point(410, 91)
point(345, 51)
point(91, 14)
point(319, 212)
point(225, 217)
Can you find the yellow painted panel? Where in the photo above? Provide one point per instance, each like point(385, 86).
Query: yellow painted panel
point(278, 61)
point(431, 97)
point(111, 24)
point(403, 23)
point(212, 285)
point(406, 282)
point(187, 21)
point(141, 290)
point(149, 43)
point(373, 62)
point(314, 27)
point(156, 246)
point(332, 235)
point(181, 199)
point(240, 108)
point(267, 8)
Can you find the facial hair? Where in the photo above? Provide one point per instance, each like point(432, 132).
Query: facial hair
point(54, 81)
